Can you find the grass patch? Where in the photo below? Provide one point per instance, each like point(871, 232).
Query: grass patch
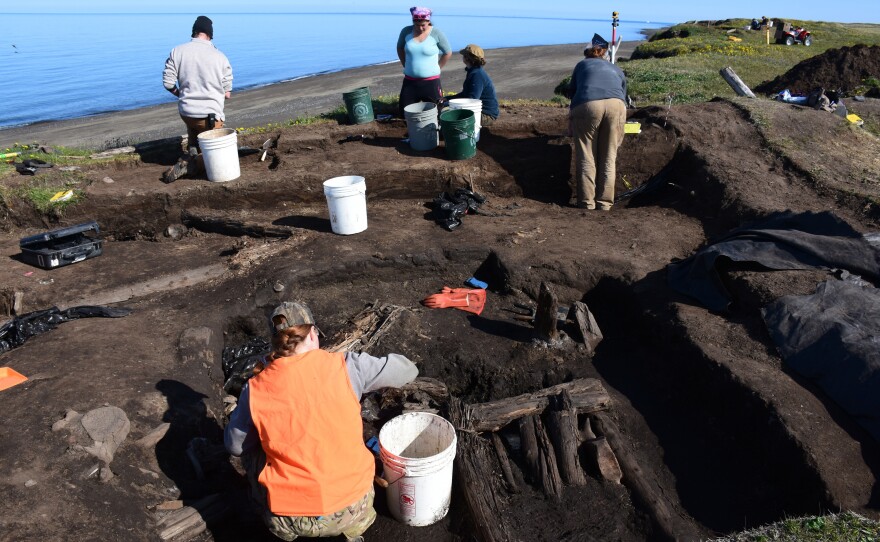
point(38, 191)
point(382, 105)
point(684, 60)
point(845, 527)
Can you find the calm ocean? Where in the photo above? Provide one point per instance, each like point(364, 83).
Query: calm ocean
point(59, 66)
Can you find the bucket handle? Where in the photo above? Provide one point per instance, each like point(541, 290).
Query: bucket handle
point(388, 483)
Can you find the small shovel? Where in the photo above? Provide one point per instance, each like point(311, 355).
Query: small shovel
point(266, 146)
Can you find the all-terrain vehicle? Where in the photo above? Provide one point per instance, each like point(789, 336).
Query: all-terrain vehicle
point(790, 35)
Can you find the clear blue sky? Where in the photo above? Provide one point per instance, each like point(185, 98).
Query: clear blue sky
point(648, 10)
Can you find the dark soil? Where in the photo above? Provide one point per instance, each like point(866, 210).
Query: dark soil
point(841, 70)
point(717, 423)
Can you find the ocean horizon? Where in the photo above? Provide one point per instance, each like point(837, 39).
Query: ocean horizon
point(63, 66)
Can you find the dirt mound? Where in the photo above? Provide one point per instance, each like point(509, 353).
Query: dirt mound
point(843, 70)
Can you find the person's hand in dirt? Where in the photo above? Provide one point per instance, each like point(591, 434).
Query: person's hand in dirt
point(464, 299)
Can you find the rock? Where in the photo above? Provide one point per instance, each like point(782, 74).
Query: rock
point(176, 231)
point(71, 417)
point(153, 437)
point(30, 483)
point(195, 345)
point(108, 180)
point(105, 475)
point(108, 427)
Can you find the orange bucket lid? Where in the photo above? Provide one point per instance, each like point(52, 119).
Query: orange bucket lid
point(9, 377)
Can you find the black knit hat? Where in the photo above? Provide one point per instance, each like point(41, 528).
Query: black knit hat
point(205, 25)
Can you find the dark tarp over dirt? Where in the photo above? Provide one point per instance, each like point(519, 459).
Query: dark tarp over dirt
point(784, 240)
point(833, 338)
point(21, 328)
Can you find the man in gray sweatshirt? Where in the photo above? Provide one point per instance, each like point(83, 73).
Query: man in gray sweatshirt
point(201, 78)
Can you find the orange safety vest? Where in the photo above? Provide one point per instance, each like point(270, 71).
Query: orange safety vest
point(309, 421)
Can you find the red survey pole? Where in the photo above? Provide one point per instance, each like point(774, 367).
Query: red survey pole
point(615, 20)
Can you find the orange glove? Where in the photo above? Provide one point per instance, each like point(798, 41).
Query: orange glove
point(458, 298)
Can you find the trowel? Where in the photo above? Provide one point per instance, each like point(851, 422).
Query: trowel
point(268, 144)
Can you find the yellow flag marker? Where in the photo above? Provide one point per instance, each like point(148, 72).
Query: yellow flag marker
point(855, 119)
point(64, 195)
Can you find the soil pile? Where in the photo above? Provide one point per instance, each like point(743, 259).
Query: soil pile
point(843, 70)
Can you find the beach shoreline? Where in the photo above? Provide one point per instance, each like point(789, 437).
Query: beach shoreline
point(529, 72)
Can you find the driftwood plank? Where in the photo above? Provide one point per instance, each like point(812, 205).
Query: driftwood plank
point(501, 451)
point(601, 455)
point(562, 426)
point(635, 479)
point(736, 83)
point(546, 314)
point(587, 395)
point(529, 446)
point(550, 479)
point(476, 469)
point(590, 331)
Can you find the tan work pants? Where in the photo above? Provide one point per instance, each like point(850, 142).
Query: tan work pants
point(196, 126)
point(597, 131)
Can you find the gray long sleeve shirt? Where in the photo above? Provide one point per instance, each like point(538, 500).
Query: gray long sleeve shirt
point(597, 79)
point(203, 75)
point(366, 373)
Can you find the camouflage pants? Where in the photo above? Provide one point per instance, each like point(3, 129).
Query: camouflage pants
point(352, 521)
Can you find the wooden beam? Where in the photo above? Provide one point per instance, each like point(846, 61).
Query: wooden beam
point(636, 480)
point(587, 395)
point(736, 83)
point(476, 471)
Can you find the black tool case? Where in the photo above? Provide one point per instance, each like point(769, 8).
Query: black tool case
point(62, 247)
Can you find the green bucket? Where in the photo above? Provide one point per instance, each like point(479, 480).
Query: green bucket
point(358, 105)
point(457, 127)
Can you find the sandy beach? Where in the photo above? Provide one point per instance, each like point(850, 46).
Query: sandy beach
point(518, 72)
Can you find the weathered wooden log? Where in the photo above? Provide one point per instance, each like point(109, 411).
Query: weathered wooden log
point(587, 395)
point(227, 226)
point(562, 425)
point(483, 492)
point(635, 479)
point(529, 446)
point(501, 452)
point(549, 471)
point(546, 314)
point(586, 322)
point(736, 83)
point(601, 455)
point(190, 521)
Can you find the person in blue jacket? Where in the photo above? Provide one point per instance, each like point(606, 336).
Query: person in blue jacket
point(597, 117)
point(423, 51)
point(477, 84)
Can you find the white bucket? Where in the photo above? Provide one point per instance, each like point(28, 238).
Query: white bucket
point(417, 451)
point(347, 202)
point(474, 105)
point(220, 153)
point(421, 123)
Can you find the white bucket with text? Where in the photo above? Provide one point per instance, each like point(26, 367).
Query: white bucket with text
point(417, 451)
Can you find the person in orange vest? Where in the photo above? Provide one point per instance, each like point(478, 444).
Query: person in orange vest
point(299, 431)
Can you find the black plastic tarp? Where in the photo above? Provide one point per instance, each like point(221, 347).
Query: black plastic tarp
point(21, 328)
point(783, 240)
point(833, 338)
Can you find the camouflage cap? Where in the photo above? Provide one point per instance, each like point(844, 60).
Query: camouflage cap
point(295, 314)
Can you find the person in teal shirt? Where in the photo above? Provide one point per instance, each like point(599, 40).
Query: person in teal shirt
point(423, 51)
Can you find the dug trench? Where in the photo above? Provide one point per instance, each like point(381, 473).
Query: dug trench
point(720, 432)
